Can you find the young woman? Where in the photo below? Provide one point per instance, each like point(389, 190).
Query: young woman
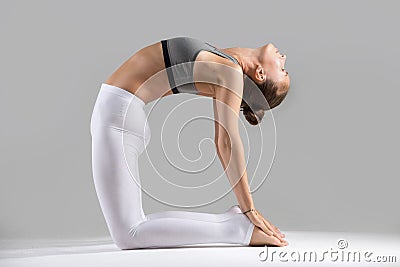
point(171, 66)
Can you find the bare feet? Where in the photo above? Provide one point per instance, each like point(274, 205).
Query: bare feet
point(259, 238)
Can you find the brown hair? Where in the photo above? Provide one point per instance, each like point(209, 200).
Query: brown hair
point(274, 93)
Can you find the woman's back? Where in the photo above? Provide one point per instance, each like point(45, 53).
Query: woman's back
point(145, 74)
point(138, 69)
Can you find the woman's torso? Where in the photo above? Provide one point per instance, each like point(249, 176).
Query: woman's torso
point(145, 75)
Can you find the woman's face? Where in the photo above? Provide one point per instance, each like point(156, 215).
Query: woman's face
point(273, 63)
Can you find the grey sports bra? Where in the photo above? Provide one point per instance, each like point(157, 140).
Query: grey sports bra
point(182, 50)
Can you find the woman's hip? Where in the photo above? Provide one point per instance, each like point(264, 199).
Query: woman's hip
point(119, 110)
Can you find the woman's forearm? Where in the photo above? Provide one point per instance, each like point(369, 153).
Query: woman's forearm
point(233, 162)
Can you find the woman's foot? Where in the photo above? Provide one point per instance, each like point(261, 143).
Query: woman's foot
point(259, 238)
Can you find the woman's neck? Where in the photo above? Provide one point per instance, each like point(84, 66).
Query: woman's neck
point(247, 57)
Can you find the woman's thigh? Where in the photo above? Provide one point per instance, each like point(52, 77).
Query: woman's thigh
point(116, 147)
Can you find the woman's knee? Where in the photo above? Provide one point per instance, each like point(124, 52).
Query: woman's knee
point(125, 241)
point(127, 238)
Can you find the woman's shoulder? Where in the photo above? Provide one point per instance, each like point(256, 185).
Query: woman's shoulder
point(220, 61)
point(218, 70)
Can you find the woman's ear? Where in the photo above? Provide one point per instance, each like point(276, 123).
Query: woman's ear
point(260, 74)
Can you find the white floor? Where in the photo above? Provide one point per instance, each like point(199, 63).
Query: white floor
point(329, 249)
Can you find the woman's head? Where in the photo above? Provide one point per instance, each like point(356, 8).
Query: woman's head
point(272, 80)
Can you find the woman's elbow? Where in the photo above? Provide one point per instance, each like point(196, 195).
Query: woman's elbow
point(227, 142)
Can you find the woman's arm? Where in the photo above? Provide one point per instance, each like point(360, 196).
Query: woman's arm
point(226, 103)
point(241, 188)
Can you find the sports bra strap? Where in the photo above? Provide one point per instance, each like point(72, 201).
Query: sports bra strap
point(222, 54)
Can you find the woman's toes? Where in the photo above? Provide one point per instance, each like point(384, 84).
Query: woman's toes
point(275, 241)
point(284, 243)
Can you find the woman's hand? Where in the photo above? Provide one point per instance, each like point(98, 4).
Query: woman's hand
point(266, 226)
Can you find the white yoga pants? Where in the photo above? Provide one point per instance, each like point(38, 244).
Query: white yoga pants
point(118, 186)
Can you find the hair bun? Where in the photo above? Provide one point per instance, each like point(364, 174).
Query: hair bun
point(253, 118)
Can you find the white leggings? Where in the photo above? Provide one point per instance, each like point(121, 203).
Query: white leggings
point(120, 194)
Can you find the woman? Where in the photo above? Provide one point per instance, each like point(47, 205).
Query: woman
point(171, 66)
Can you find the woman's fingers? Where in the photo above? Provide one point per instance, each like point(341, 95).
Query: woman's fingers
point(274, 241)
point(267, 227)
point(276, 234)
point(279, 231)
point(274, 229)
point(257, 221)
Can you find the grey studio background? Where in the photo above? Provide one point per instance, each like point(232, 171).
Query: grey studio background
point(336, 163)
